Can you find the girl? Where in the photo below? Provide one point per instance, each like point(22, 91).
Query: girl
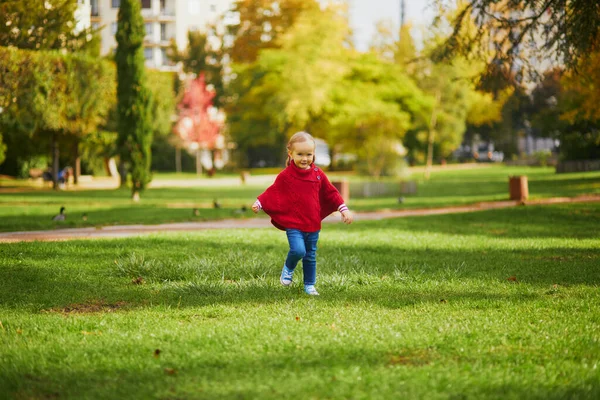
point(297, 202)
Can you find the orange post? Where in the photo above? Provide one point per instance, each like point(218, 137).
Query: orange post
point(518, 188)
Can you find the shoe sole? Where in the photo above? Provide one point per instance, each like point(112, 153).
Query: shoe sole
point(284, 283)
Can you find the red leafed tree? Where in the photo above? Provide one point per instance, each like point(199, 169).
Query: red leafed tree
point(196, 124)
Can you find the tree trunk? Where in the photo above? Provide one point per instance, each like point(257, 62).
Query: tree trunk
point(430, 141)
point(198, 161)
point(122, 173)
point(55, 162)
point(76, 162)
point(431, 138)
point(178, 159)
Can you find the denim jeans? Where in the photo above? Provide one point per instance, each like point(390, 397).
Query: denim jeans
point(303, 246)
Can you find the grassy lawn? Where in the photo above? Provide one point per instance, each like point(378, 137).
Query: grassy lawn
point(496, 304)
point(26, 208)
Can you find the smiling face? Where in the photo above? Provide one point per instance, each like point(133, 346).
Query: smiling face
point(302, 153)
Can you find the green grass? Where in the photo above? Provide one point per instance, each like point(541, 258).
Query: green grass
point(499, 304)
point(24, 208)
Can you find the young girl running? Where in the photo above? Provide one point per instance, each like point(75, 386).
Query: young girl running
point(297, 203)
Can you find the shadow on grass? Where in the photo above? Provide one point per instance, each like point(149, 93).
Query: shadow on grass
point(359, 263)
point(365, 373)
point(377, 275)
point(532, 221)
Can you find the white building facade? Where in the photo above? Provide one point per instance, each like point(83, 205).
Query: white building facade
point(165, 20)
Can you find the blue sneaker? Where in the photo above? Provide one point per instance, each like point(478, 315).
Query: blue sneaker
point(310, 289)
point(286, 276)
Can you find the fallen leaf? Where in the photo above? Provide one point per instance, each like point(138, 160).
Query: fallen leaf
point(443, 301)
point(170, 371)
point(297, 318)
point(512, 279)
point(137, 281)
point(156, 353)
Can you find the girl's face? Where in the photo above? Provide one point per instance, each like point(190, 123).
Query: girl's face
point(302, 153)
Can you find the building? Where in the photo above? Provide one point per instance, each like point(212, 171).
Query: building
point(165, 20)
point(83, 15)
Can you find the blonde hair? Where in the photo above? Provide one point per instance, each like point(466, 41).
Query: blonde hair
point(298, 137)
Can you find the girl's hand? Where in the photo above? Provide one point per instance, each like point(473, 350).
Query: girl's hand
point(347, 217)
point(255, 207)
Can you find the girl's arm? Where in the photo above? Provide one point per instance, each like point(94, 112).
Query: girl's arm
point(331, 200)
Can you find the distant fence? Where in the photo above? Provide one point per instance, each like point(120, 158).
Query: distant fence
point(578, 166)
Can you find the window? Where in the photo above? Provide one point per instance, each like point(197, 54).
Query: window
point(148, 53)
point(146, 3)
point(163, 32)
point(94, 6)
point(113, 28)
point(148, 27)
point(116, 3)
point(213, 7)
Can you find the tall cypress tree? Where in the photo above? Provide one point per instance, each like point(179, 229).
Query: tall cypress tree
point(133, 97)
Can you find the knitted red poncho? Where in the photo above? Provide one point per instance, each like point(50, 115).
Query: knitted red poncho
point(300, 199)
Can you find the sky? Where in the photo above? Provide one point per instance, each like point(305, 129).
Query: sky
point(364, 14)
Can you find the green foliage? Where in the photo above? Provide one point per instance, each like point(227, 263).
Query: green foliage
point(565, 30)
point(580, 142)
point(372, 109)
point(44, 25)
point(2, 150)
point(96, 149)
point(250, 116)
point(133, 96)
point(46, 94)
point(165, 97)
point(288, 89)
point(452, 85)
point(314, 82)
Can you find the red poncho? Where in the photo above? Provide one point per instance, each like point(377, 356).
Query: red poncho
point(300, 199)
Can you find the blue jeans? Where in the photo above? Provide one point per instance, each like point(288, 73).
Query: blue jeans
point(303, 246)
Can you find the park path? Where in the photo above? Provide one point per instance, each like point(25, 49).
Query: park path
point(122, 231)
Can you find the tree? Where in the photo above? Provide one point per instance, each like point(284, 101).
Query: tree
point(579, 127)
point(287, 88)
point(372, 110)
point(51, 99)
point(2, 150)
point(564, 30)
point(196, 125)
point(133, 97)
point(44, 25)
point(261, 23)
point(202, 57)
point(251, 116)
point(91, 99)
